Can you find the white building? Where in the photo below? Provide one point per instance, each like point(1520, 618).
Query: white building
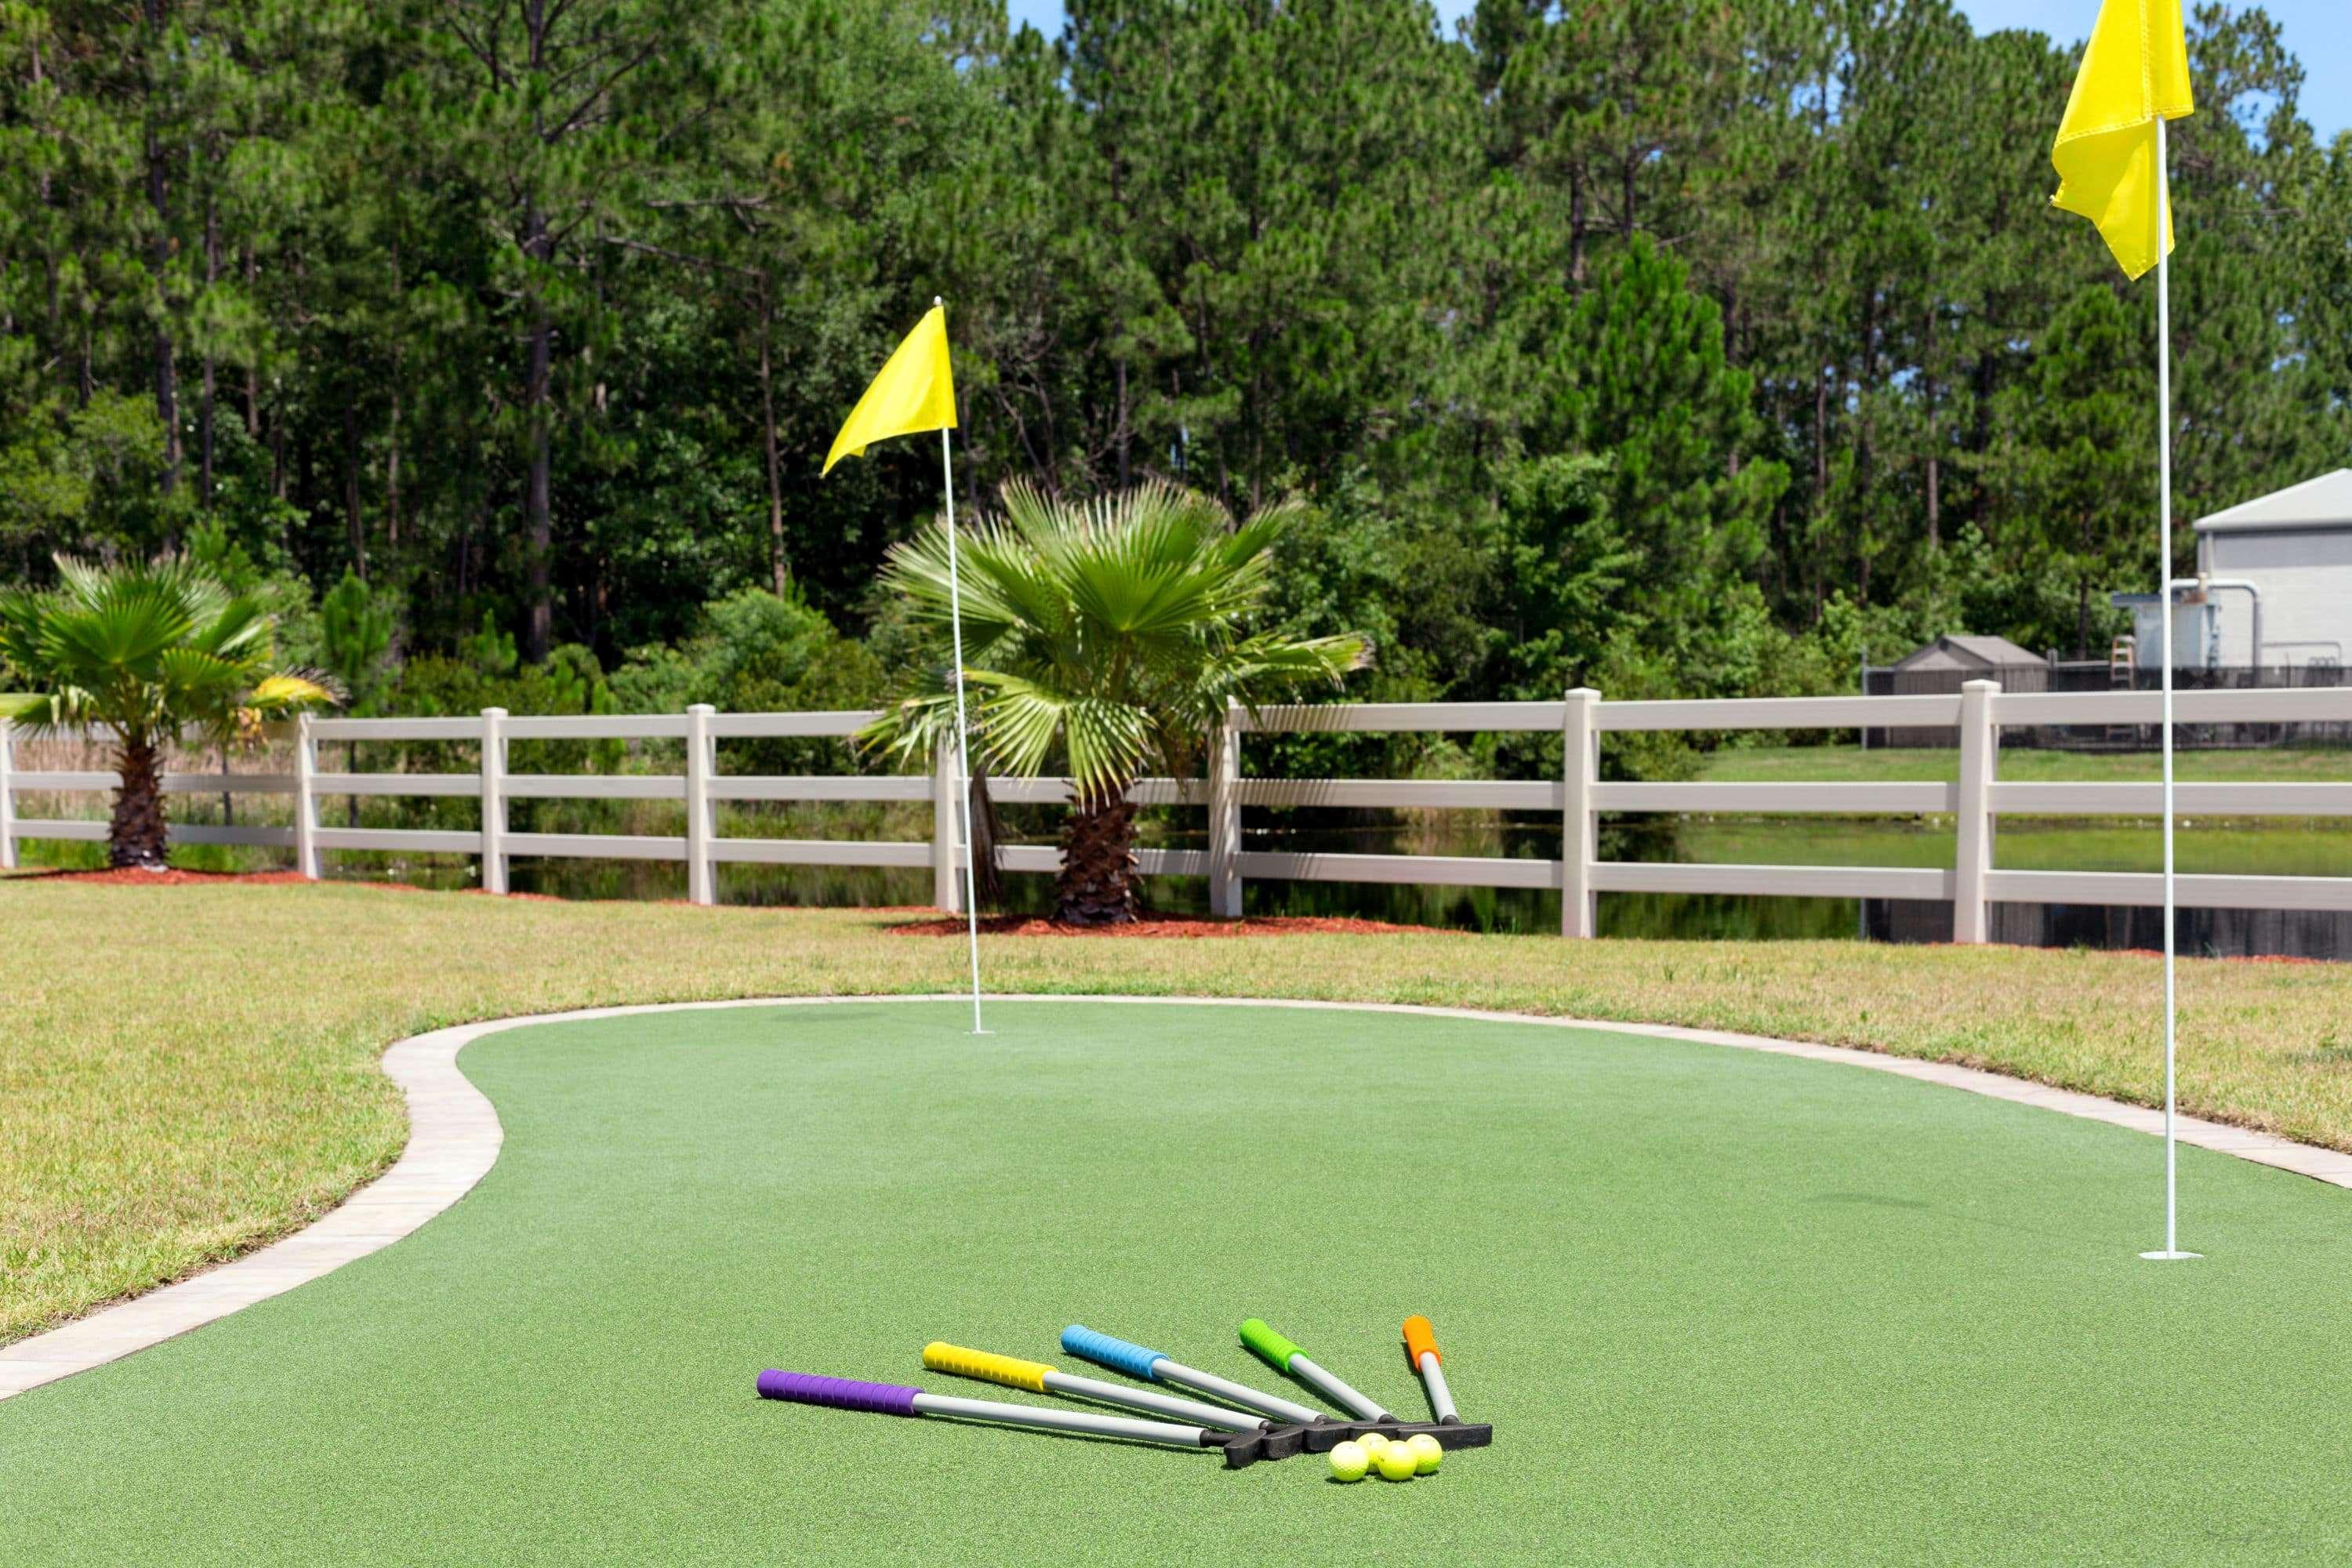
point(2273, 585)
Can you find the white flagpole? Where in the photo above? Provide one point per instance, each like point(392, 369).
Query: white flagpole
point(2164, 617)
point(963, 732)
point(962, 737)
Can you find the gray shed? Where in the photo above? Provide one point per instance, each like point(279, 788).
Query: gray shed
point(1971, 658)
point(1942, 665)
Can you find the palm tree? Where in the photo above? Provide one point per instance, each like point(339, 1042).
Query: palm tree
point(149, 650)
point(1099, 637)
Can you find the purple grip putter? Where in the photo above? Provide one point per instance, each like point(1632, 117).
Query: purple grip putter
point(839, 1392)
point(896, 1399)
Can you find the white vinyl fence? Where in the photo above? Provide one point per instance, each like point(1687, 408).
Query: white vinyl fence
point(1979, 712)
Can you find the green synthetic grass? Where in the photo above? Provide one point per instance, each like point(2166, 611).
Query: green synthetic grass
point(1721, 1307)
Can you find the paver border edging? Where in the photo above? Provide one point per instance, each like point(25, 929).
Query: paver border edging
point(455, 1136)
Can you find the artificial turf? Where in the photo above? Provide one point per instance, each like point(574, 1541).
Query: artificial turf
point(1720, 1306)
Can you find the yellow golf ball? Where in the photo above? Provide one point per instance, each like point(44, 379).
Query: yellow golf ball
point(1371, 1443)
point(1426, 1452)
point(1397, 1462)
point(1349, 1461)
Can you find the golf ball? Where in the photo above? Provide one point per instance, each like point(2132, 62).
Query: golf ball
point(1372, 1443)
point(1349, 1461)
point(1397, 1462)
point(1426, 1452)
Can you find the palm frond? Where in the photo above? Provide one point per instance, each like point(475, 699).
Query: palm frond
point(237, 626)
point(81, 581)
point(1107, 741)
point(123, 628)
point(911, 728)
point(1289, 661)
point(1020, 721)
point(190, 677)
point(30, 709)
point(918, 569)
point(144, 647)
point(285, 694)
point(1098, 635)
point(1103, 740)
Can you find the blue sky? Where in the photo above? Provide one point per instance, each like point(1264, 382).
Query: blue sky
point(2324, 49)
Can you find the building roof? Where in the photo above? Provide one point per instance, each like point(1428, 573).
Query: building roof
point(2323, 502)
point(1989, 650)
point(1962, 651)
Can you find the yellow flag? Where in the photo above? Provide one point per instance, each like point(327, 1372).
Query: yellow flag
point(915, 392)
point(2135, 69)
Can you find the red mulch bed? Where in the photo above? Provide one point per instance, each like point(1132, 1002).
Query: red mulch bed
point(173, 879)
point(2231, 957)
point(179, 879)
point(1180, 926)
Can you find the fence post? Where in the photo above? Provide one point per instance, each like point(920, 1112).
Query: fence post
point(1225, 815)
point(306, 800)
point(1980, 746)
point(1579, 833)
point(8, 800)
point(947, 885)
point(494, 800)
point(699, 758)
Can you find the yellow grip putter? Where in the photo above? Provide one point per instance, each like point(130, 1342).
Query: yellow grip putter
point(987, 1367)
point(1037, 1377)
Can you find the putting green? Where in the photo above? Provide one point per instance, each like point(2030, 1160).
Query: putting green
point(1720, 1306)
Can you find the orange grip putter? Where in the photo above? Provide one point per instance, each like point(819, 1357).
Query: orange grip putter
point(1420, 1347)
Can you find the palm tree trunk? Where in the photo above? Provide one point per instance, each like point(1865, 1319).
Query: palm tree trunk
point(987, 833)
point(136, 836)
point(1097, 885)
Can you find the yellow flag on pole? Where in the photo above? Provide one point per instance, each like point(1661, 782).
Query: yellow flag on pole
point(2134, 70)
point(915, 392)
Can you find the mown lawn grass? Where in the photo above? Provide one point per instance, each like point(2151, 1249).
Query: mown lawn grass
point(189, 1071)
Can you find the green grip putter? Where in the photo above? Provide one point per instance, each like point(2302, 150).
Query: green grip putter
point(1284, 1356)
point(1272, 1346)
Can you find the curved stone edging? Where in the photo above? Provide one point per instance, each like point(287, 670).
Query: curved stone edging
point(453, 1139)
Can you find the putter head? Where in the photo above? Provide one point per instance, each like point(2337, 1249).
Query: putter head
point(1244, 1449)
point(1456, 1434)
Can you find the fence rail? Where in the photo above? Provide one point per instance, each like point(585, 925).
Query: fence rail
point(1977, 712)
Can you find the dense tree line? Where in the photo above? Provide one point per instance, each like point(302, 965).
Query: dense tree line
point(1674, 345)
